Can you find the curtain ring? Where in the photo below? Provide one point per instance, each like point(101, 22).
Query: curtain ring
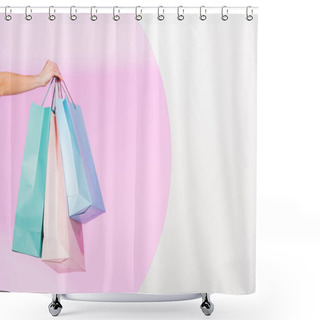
point(72, 15)
point(180, 15)
point(249, 17)
point(28, 16)
point(52, 16)
point(116, 17)
point(138, 16)
point(160, 16)
point(203, 16)
point(93, 17)
point(224, 13)
point(7, 16)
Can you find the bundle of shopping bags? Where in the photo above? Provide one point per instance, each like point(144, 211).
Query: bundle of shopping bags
point(59, 189)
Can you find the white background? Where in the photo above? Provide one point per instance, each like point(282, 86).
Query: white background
point(288, 194)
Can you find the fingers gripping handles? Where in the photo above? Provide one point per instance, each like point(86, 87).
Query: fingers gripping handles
point(59, 88)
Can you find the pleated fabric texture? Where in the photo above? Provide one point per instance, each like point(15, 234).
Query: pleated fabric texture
point(170, 113)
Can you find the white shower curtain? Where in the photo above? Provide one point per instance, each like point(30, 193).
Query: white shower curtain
point(170, 113)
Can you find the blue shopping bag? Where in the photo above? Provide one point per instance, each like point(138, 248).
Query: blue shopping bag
point(82, 186)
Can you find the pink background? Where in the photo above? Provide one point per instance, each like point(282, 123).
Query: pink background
point(112, 74)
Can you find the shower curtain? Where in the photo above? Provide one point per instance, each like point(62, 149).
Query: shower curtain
point(168, 127)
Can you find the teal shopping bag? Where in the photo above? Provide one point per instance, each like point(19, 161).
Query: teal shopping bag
point(28, 230)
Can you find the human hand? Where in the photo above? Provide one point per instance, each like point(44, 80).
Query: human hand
point(49, 70)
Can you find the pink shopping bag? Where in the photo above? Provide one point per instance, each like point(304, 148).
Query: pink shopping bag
point(62, 247)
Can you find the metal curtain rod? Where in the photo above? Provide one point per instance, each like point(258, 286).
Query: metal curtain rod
point(82, 9)
point(117, 10)
point(128, 7)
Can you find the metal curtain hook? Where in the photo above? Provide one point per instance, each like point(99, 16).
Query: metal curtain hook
point(249, 17)
point(52, 16)
point(28, 16)
point(116, 17)
point(224, 13)
point(160, 16)
point(7, 16)
point(93, 17)
point(203, 16)
point(180, 15)
point(72, 15)
point(138, 16)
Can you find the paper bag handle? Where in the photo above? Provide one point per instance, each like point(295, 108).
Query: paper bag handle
point(47, 92)
point(67, 93)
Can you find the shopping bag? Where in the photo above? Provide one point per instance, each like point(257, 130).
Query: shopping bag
point(62, 237)
point(28, 226)
point(83, 191)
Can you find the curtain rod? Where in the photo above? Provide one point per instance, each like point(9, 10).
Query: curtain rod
point(51, 10)
point(120, 7)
